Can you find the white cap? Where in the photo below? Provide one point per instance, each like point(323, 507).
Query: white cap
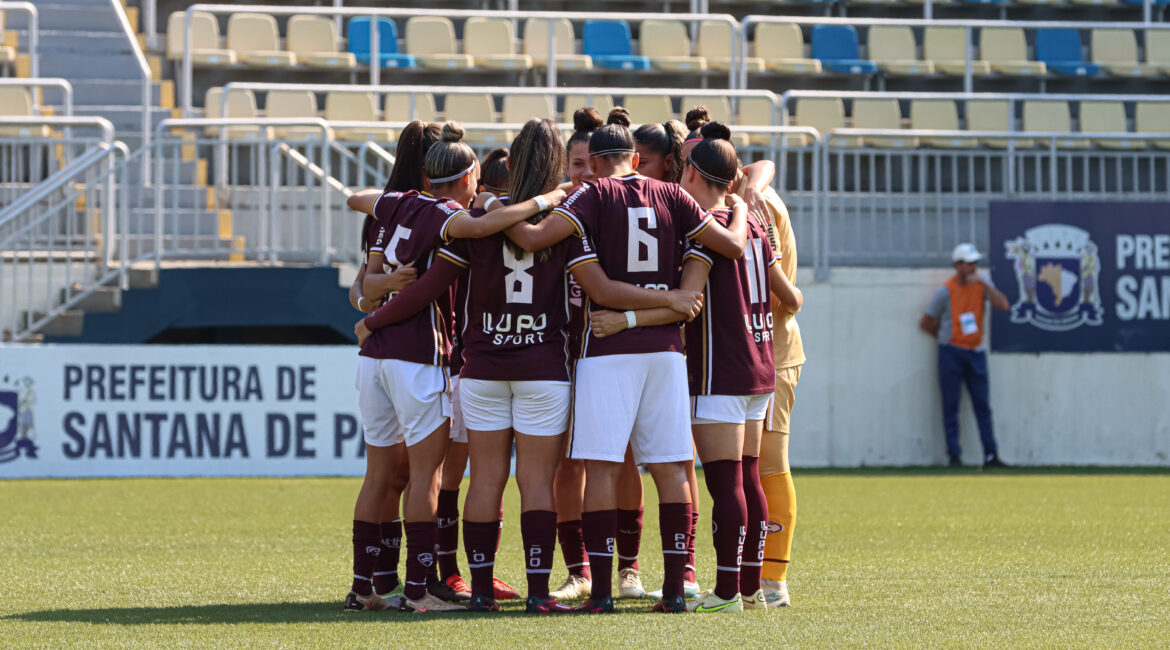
point(966, 253)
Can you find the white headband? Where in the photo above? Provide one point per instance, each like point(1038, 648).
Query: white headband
point(606, 152)
point(710, 177)
point(440, 181)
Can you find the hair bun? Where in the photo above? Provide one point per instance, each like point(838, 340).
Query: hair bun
point(717, 130)
point(619, 116)
point(586, 119)
point(452, 132)
point(697, 117)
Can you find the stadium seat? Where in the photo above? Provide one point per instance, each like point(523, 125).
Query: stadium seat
point(1007, 52)
point(476, 108)
point(16, 101)
point(1158, 49)
point(836, 47)
point(1051, 117)
point(536, 44)
point(1094, 2)
point(492, 44)
point(994, 115)
point(397, 107)
point(240, 104)
point(313, 39)
point(1107, 117)
point(1049, 3)
point(946, 48)
point(7, 51)
point(1153, 117)
point(780, 46)
point(521, 108)
point(895, 53)
point(608, 43)
point(757, 111)
point(938, 115)
point(431, 41)
point(719, 108)
point(256, 42)
point(1116, 51)
point(881, 114)
point(205, 45)
point(666, 44)
point(715, 42)
point(1060, 50)
point(292, 103)
point(355, 107)
point(603, 104)
point(645, 109)
point(824, 115)
point(359, 43)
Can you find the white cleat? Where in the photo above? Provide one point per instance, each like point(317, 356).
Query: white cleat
point(575, 586)
point(630, 583)
point(430, 604)
point(690, 590)
point(756, 601)
point(776, 593)
point(708, 602)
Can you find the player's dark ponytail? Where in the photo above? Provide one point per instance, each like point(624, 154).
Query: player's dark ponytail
point(407, 174)
point(714, 158)
point(538, 162)
point(493, 171)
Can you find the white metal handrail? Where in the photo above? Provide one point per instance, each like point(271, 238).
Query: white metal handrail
point(34, 33)
point(375, 51)
point(143, 69)
point(100, 123)
point(63, 85)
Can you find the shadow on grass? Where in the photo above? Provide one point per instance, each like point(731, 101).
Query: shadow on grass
point(237, 613)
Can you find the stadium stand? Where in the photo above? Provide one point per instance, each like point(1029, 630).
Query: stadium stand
point(255, 40)
point(836, 46)
point(894, 51)
point(313, 40)
point(608, 44)
point(945, 48)
point(431, 41)
point(206, 46)
point(492, 44)
point(355, 107)
point(1006, 52)
point(1116, 51)
point(780, 48)
point(536, 44)
point(388, 54)
point(666, 44)
point(1060, 51)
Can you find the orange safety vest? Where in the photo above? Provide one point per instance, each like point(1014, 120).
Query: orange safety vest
point(966, 313)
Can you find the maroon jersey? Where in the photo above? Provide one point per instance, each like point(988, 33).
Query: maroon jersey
point(514, 312)
point(636, 227)
point(729, 346)
point(410, 227)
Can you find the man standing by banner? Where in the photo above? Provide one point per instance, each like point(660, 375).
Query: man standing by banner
point(955, 317)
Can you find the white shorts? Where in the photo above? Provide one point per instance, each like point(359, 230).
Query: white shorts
point(400, 400)
point(729, 409)
point(458, 427)
point(636, 400)
point(534, 408)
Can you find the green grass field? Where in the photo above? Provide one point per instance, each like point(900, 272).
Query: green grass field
point(882, 558)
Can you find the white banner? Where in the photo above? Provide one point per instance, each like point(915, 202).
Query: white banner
point(147, 410)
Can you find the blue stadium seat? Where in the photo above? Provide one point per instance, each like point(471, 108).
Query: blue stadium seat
point(1141, 2)
point(609, 43)
point(359, 43)
point(836, 47)
point(986, 2)
point(1060, 50)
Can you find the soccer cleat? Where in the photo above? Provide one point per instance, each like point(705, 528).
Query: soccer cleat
point(538, 605)
point(671, 605)
point(481, 603)
point(429, 604)
point(357, 603)
point(603, 605)
point(575, 586)
point(755, 601)
point(630, 583)
point(503, 590)
point(708, 602)
point(954, 461)
point(453, 588)
point(775, 593)
point(690, 590)
point(993, 462)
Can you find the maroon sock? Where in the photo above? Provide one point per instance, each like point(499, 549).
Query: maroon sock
point(757, 527)
point(420, 556)
point(500, 530)
point(447, 538)
point(386, 569)
point(366, 549)
point(538, 528)
point(689, 570)
point(573, 548)
point(599, 529)
point(675, 520)
point(728, 514)
point(629, 537)
point(479, 541)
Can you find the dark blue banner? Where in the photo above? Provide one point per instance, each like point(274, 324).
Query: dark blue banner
point(1081, 277)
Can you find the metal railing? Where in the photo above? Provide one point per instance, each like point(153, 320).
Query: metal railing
point(375, 51)
point(62, 85)
point(788, 99)
point(34, 33)
point(31, 149)
point(143, 69)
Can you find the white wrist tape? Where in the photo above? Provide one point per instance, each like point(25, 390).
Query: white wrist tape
point(488, 205)
point(541, 202)
point(631, 320)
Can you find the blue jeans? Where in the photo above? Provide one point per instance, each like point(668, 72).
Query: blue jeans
point(955, 366)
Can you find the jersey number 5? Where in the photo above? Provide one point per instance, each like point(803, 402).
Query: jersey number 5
point(639, 238)
point(518, 281)
point(401, 233)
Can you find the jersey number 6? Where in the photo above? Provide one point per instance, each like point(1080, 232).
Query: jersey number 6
point(639, 238)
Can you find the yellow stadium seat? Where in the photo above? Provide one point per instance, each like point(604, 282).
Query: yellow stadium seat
point(881, 114)
point(1051, 117)
point(938, 115)
point(1107, 117)
point(492, 44)
point(241, 104)
point(1153, 117)
point(293, 103)
point(1158, 49)
point(397, 107)
point(1007, 52)
point(758, 111)
point(16, 101)
point(781, 47)
point(313, 39)
point(1116, 51)
point(7, 51)
point(431, 40)
point(994, 115)
point(355, 107)
point(825, 115)
point(603, 104)
point(666, 44)
point(715, 42)
point(536, 44)
point(645, 109)
point(519, 109)
point(1093, 2)
point(1040, 2)
point(945, 47)
point(205, 45)
point(256, 42)
point(894, 51)
point(476, 108)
